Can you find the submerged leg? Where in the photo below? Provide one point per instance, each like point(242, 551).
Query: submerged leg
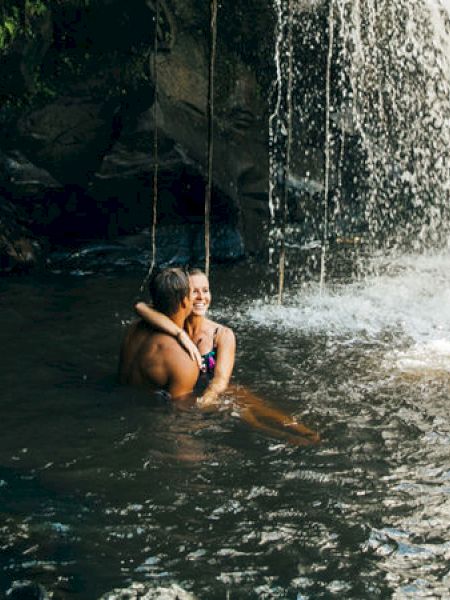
point(249, 417)
point(257, 413)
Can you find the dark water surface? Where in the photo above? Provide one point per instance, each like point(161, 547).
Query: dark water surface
point(100, 490)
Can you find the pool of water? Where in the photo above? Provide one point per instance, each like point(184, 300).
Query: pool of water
point(101, 491)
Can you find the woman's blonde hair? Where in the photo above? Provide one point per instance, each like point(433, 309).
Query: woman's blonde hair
point(196, 272)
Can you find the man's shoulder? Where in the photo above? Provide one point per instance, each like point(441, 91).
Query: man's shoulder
point(142, 329)
point(145, 339)
point(164, 340)
point(179, 370)
point(167, 346)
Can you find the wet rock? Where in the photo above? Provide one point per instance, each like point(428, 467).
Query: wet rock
point(23, 179)
point(47, 208)
point(26, 590)
point(240, 164)
point(19, 250)
point(185, 244)
point(175, 245)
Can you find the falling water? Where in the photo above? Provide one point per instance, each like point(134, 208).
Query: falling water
point(395, 53)
point(371, 126)
point(327, 144)
point(283, 124)
point(277, 130)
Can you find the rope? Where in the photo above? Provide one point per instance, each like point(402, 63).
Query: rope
point(155, 156)
point(287, 166)
point(212, 62)
point(327, 146)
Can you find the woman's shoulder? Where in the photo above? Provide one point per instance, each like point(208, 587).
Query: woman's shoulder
point(223, 334)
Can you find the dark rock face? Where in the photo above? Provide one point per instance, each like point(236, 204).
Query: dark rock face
point(18, 250)
point(78, 130)
point(68, 137)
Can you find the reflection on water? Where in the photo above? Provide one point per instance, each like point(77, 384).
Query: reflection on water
point(101, 491)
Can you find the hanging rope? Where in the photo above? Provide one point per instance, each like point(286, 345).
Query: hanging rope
point(343, 62)
point(287, 166)
point(212, 64)
point(327, 146)
point(155, 154)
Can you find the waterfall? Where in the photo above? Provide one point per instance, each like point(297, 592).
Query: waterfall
point(396, 56)
point(370, 126)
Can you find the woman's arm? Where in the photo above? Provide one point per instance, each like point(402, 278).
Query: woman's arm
point(226, 350)
point(162, 323)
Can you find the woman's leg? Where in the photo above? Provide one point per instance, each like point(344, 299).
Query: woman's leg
point(257, 413)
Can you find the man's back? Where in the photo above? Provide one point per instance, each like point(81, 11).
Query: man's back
point(156, 360)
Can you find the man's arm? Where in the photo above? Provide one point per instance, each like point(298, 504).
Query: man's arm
point(182, 373)
point(162, 323)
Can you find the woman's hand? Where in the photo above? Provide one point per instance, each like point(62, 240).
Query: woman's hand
point(185, 342)
point(210, 399)
point(204, 403)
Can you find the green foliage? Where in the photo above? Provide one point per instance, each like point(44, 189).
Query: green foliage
point(9, 27)
point(18, 19)
point(36, 8)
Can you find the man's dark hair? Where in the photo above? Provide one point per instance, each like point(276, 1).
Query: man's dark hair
point(168, 288)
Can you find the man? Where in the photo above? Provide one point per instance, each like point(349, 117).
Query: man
point(154, 359)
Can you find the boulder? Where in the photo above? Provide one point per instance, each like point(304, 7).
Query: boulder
point(22, 179)
point(240, 166)
point(67, 137)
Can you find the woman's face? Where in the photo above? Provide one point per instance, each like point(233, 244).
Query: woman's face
point(201, 296)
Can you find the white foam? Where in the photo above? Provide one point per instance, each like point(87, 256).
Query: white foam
point(422, 358)
point(412, 299)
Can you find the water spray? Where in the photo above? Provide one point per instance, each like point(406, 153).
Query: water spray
point(287, 166)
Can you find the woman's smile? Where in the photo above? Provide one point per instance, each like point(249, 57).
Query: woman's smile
point(200, 294)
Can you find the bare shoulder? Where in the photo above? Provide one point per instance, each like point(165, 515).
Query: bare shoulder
point(169, 348)
point(180, 371)
point(225, 340)
point(225, 334)
point(162, 344)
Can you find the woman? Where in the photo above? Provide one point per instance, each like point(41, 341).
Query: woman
point(213, 346)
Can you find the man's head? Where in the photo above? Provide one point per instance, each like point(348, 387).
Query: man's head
point(170, 291)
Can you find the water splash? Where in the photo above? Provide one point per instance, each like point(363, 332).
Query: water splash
point(409, 301)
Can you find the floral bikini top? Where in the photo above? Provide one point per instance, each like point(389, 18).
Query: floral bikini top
point(209, 362)
point(210, 358)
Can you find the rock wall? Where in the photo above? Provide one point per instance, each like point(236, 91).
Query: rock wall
point(78, 119)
